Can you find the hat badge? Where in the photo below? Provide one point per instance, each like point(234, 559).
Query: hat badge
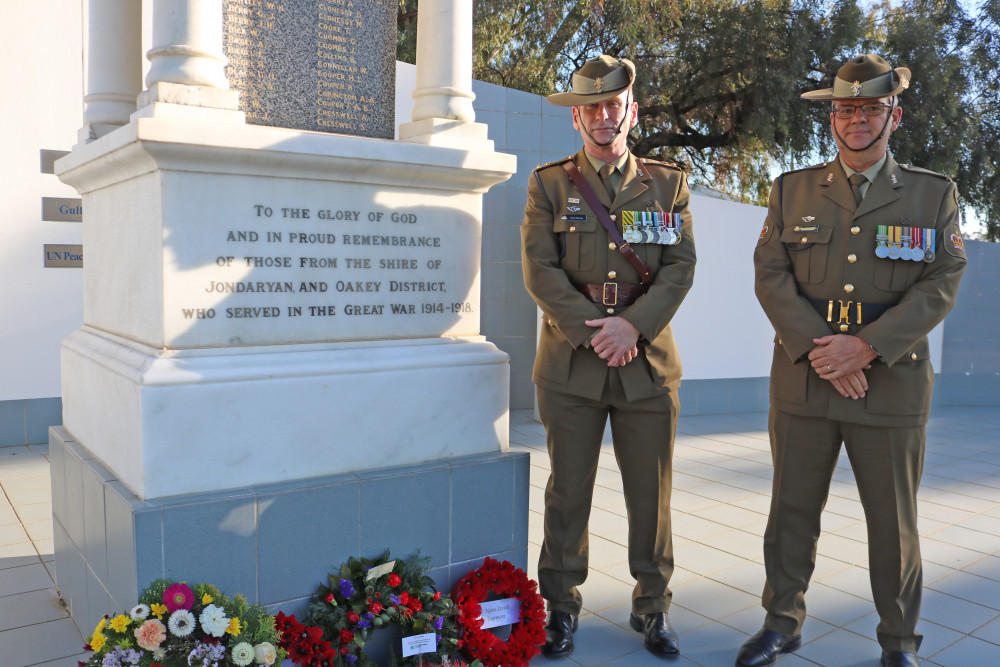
point(856, 88)
point(599, 84)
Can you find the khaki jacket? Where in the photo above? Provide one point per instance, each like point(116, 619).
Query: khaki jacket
point(831, 256)
point(559, 253)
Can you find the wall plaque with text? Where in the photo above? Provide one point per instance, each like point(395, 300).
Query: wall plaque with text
point(63, 256)
point(325, 65)
point(62, 209)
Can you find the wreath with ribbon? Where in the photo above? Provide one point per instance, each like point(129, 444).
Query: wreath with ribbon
point(526, 636)
point(361, 597)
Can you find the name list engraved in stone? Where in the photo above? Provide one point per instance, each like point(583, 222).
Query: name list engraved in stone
point(325, 65)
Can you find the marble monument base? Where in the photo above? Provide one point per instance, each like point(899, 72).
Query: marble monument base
point(275, 543)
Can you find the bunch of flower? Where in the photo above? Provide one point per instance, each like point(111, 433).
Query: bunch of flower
point(499, 578)
point(175, 625)
point(353, 605)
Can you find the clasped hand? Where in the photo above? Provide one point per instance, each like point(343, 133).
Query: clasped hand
point(616, 341)
point(842, 360)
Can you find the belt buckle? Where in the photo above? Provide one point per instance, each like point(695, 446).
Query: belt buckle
point(844, 315)
point(612, 289)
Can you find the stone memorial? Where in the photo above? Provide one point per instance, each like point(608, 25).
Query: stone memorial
point(325, 65)
point(281, 325)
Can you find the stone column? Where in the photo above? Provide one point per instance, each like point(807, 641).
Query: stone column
point(442, 111)
point(187, 65)
point(444, 61)
point(114, 66)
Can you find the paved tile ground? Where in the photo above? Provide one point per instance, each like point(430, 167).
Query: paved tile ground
point(722, 477)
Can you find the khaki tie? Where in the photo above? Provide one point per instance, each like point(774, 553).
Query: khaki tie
point(856, 181)
point(605, 173)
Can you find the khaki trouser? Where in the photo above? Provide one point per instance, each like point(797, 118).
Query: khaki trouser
point(643, 435)
point(887, 464)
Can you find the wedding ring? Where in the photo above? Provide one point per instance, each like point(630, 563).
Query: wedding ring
point(828, 369)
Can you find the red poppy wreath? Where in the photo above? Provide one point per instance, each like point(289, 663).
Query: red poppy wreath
point(526, 636)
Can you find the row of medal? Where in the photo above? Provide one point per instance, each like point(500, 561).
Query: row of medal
point(912, 243)
point(651, 227)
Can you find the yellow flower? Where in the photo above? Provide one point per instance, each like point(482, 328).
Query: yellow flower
point(97, 642)
point(100, 626)
point(234, 628)
point(207, 599)
point(120, 622)
point(158, 609)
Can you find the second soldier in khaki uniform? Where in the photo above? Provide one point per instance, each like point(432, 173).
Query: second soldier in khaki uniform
point(858, 260)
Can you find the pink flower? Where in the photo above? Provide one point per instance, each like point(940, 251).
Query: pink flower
point(150, 634)
point(178, 596)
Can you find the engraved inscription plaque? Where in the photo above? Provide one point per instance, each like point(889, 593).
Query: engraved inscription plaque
point(324, 65)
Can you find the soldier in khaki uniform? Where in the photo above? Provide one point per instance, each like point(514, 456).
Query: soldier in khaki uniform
point(606, 347)
point(858, 260)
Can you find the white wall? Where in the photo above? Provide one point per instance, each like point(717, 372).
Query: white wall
point(41, 80)
point(720, 328)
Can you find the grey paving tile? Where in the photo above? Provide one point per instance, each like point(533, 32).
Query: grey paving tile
point(968, 651)
point(57, 642)
point(841, 647)
point(24, 579)
point(25, 609)
point(16, 555)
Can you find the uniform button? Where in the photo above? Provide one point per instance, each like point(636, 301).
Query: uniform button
point(805, 239)
point(572, 228)
point(612, 246)
point(913, 356)
point(848, 288)
point(611, 311)
point(612, 275)
point(852, 258)
point(843, 328)
point(855, 230)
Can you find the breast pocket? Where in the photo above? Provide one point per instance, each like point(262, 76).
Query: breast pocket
point(896, 275)
point(579, 239)
point(809, 250)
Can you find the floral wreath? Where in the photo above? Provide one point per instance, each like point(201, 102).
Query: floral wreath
point(344, 615)
point(176, 625)
point(526, 636)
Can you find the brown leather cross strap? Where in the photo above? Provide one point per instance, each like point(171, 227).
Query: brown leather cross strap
point(645, 273)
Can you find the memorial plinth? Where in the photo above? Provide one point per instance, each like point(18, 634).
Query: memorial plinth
point(285, 303)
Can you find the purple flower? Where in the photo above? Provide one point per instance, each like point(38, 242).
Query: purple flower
point(438, 623)
point(363, 623)
point(394, 598)
point(350, 658)
point(346, 589)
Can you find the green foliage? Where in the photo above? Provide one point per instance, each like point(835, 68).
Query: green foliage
point(719, 81)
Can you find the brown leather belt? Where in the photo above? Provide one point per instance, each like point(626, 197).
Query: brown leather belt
point(612, 294)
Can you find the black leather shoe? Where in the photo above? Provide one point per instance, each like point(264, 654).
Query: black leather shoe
point(559, 634)
point(765, 647)
point(899, 659)
point(660, 638)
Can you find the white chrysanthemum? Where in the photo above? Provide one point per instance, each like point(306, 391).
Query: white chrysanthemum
point(181, 623)
point(243, 654)
point(214, 621)
point(159, 654)
point(140, 612)
point(264, 653)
